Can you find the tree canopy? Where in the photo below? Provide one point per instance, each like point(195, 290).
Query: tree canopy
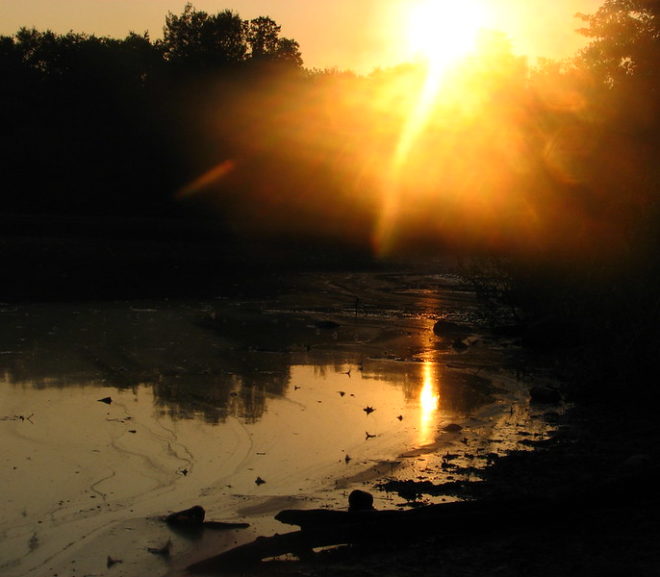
point(624, 40)
point(196, 39)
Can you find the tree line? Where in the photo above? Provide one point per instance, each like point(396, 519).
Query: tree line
point(94, 124)
point(544, 152)
point(552, 166)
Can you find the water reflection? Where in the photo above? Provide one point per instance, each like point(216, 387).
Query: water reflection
point(212, 360)
point(429, 402)
point(209, 395)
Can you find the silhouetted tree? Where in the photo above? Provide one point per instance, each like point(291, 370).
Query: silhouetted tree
point(623, 55)
point(263, 38)
point(625, 40)
point(199, 40)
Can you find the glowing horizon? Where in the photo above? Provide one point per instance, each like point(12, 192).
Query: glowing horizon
point(342, 34)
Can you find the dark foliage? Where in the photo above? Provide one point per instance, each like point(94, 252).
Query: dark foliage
point(97, 125)
point(607, 285)
point(553, 169)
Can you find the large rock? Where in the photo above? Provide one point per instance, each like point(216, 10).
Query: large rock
point(193, 517)
point(360, 501)
point(447, 329)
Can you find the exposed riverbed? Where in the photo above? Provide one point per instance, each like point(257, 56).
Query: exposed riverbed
point(113, 414)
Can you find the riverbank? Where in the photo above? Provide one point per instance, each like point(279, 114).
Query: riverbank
point(267, 334)
point(116, 413)
point(66, 259)
point(601, 479)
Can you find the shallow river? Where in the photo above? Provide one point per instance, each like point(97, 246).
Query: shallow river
point(114, 414)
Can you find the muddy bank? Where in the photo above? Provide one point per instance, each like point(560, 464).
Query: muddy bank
point(68, 259)
point(245, 406)
point(584, 503)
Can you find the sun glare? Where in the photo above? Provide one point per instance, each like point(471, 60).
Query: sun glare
point(442, 32)
point(429, 402)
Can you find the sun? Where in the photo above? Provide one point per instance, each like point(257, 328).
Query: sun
point(442, 32)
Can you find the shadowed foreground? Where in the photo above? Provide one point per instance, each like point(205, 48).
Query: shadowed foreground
point(567, 518)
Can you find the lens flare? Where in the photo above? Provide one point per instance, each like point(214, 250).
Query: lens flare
point(211, 176)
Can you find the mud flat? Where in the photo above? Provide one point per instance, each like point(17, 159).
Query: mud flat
point(114, 414)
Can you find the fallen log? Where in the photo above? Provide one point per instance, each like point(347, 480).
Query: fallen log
point(193, 519)
point(447, 521)
point(322, 528)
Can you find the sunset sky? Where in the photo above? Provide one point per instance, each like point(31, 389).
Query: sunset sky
point(347, 34)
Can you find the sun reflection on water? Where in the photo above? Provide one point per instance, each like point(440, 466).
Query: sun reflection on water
point(429, 403)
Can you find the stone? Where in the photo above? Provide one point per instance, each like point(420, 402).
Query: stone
point(360, 501)
point(443, 328)
point(193, 517)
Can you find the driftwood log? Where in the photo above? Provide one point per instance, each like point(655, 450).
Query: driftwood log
point(602, 504)
point(193, 519)
point(322, 527)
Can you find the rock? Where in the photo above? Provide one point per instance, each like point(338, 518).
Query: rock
point(193, 517)
point(544, 395)
point(452, 428)
point(443, 328)
point(192, 520)
point(360, 501)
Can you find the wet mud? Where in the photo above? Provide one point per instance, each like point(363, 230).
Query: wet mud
point(117, 413)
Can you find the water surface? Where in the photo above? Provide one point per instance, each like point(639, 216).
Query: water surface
point(244, 405)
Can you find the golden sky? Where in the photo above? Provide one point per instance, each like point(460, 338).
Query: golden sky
point(347, 34)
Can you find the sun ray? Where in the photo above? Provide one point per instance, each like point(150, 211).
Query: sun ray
point(440, 34)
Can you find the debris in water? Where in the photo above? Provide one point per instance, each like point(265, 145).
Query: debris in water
point(347, 458)
point(106, 400)
point(110, 562)
point(368, 410)
point(400, 417)
point(341, 393)
point(259, 481)
point(369, 436)
point(21, 418)
point(164, 551)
